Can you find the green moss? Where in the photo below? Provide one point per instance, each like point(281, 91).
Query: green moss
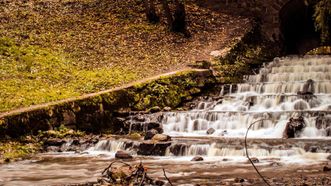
point(14, 150)
point(60, 132)
point(248, 54)
point(31, 75)
point(324, 50)
point(135, 136)
point(167, 91)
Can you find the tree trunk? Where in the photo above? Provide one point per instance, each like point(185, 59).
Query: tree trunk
point(150, 11)
point(179, 23)
point(167, 13)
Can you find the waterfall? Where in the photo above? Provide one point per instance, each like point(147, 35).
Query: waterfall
point(284, 88)
point(107, 147)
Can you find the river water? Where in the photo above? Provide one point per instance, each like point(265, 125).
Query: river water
point(274, 95)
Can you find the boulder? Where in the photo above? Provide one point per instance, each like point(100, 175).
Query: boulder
point(161, 137)
point(178, 149)
point(153, 125)
point(159, 130)
point(326, 168)
point(210, 131)
point(54, 142)
point(123, 155)
point(313, 149)
point(149, 134)
point(153, 149)
point(197, 158)
point(294, 127)
point(255, 160)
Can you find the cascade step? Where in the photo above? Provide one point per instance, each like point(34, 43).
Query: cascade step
point(285, 87)
point(215, 147)
point(289, 77)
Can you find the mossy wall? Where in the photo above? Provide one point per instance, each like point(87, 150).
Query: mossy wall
point(245, 56)
point(95, 112)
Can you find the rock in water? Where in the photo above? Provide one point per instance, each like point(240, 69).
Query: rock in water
point(329, 157)
point(326, 168)
point(152, 125)
point(161, 137)
point(328, 131)
point(255, 160)
point(210, 131)
point(294, 127)
point(150, 134)
point(123, 155)
point(197, 158)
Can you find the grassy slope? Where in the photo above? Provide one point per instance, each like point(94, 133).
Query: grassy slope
point(51, 50)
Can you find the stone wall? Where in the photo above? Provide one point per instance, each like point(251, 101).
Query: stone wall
point(95, 112)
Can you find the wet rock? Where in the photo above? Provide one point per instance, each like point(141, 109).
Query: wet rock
point(320, 121)
point(159, 130)
point(52, 149)
point(139, 118)
point(255, 160)
point(192, 105)
point(328, 131)
point(275, 164)
point(161, 137)
point(210, 131)
point(153, 125)
point(167, 109)
point(54, 142)
point(122, 113)
point(294, 127)
point(150, 148)
point(155, 109)
point(178, 149)
point(326, 168)
point(158, 183)
point(197, 158)
point(224, 132)
point(313, 149)
point(69, 117)
point(149, 134)
point(123, 155)
point(239, 180)
point(78, 142)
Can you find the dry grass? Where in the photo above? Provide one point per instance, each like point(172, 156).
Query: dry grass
point(97, 44)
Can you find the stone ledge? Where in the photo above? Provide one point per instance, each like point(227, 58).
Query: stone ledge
point(94, 112)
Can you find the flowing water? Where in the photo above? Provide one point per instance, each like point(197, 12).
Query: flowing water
point(283, 89)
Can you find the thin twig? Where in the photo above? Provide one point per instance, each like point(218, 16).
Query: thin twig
point(142, 179)
point(164, 173)
point(265, 181)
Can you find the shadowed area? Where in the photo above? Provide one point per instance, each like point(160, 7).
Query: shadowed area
point(297, 27)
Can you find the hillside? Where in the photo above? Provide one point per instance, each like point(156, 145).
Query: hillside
point(51, 50)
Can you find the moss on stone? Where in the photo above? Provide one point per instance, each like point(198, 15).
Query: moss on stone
point(94, 113)
point(13, 150)
point(324, 50)
point(245, 56)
